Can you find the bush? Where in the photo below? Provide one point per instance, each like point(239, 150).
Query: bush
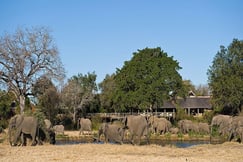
point(96, 121)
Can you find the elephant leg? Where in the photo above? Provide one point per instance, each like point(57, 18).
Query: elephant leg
point(34, 141)
point(132, 138)
point(16, 137)
point(106, 139)
point(139, 140)
point(23, 140)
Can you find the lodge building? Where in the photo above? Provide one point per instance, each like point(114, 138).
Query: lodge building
point(192, 105)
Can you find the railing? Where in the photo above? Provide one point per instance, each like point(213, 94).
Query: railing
point(122, 115)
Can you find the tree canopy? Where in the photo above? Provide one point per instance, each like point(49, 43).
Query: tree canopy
point(24, 57)
point(150, 77)
point(107, 88)
point(225, 77)
point(48, 97)
point(79, 94)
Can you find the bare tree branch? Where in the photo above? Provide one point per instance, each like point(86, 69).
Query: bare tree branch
point(25, 56)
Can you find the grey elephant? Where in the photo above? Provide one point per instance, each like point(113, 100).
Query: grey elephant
point(48, 124)
point(203, 128)
point(112, 132)
point(159, 125)
point(85, 125)
point(239, 133)
point(235, 130)
point(21, 126)
point(48, 128)
point(186, 126)
point(223, 123)
point(137, 126)
point(58, 129)
point(174, 130)
point(101, 130)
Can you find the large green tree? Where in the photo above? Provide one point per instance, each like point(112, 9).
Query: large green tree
point(107, 87)
point(225, 77)
point(24, 57)
point(149, 78)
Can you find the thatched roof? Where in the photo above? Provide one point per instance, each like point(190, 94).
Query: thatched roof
point(190, 102)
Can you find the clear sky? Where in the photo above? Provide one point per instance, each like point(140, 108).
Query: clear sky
point(100, 35)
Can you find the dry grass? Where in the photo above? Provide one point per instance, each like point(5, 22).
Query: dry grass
point(226, 152)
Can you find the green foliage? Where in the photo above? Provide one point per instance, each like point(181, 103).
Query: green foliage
point(6, 100)
point(146, 80)
point(180, 135)
point(208, 116)
point(96, 121)
point(215, 131)
point(168, 136)
point(226, 78)
point(107, 87)
point(47, 97)
point(181, 114)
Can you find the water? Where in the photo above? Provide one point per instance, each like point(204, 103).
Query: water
point(179, 144)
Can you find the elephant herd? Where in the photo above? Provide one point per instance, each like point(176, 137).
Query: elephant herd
point(23, 127)
point(231, 127)
point(135, 127)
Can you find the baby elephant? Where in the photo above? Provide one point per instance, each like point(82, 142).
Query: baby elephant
point(112, 132)
point(59, 129)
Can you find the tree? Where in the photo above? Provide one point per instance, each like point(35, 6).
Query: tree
point(78, 94)
point(107, 87)
point(146, 80)
point(47, 96)
point(200, 90)
point(7, 108)
point(24, 57)
point(225, 78)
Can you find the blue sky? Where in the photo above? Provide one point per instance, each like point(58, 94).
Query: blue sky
point(100, 35)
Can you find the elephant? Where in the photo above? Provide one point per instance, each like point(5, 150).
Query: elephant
point(58, 129)
point(112, 132)
point(159, 125)
point(50, 131)
point(236, 127)
point(48, 124)
point(85, 125)
point(222, 122)
point(239, 133)
point(203, 128)
point(185, 126)
point(101, 130)
point(174, 130)
point(137, 126)
point(21, 126)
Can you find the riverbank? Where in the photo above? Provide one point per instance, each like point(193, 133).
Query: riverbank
point(72, 135)
point(229, 151)
point(226, 152)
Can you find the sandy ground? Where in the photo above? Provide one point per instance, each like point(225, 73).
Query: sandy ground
point(226, 152)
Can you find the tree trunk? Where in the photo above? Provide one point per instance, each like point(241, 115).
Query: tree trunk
point(74, 114)
point(22, 103)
